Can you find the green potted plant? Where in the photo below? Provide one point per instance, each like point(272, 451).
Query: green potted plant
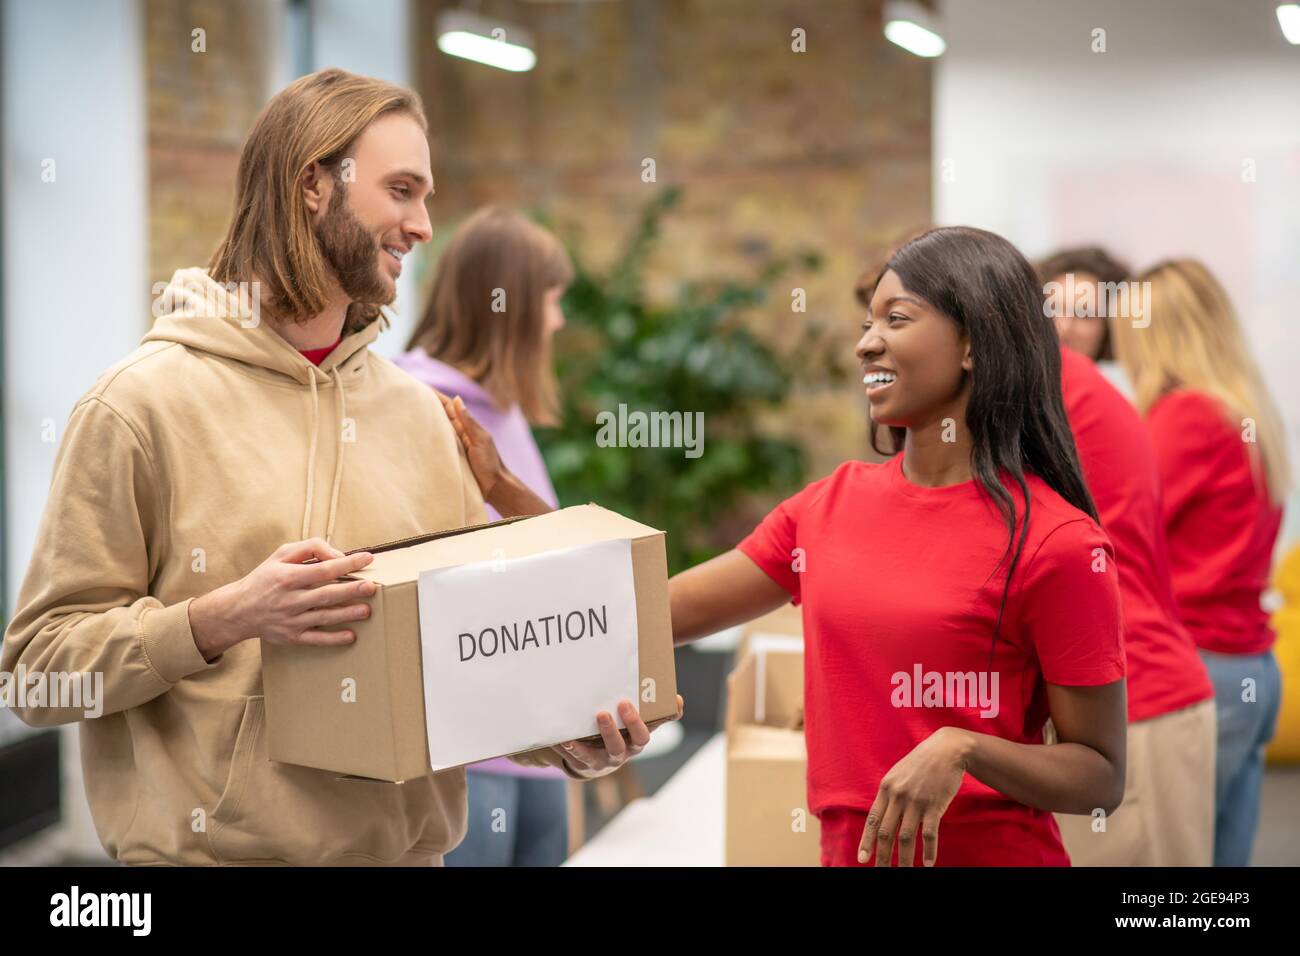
point(694, 356)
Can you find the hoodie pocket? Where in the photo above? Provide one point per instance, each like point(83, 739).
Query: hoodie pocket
point(281, 813)
point(250, 725)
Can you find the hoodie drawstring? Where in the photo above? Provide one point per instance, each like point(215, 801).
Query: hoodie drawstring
point(311, 457)
point(337, 483)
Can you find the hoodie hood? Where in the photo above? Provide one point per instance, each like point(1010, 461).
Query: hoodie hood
point(207, 316)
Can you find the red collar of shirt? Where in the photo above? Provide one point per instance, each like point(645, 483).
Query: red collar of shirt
point(316, 356)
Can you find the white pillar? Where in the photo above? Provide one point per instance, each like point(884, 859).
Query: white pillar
point(76, 294)
point(373, 39)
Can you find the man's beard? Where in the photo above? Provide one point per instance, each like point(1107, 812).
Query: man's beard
point(352, 253)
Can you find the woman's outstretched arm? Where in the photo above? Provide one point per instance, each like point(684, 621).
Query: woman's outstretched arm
point(720, 593)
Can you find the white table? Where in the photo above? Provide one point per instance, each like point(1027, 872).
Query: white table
point(681, 825)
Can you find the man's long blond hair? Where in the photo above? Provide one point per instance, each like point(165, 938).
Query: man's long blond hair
point(317, 118)
point(1195, 341)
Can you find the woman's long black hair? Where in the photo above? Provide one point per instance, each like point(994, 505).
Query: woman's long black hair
point(1015, 414)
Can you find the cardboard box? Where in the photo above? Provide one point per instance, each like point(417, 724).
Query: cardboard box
point(787, 619)
point(768, 822)
point(361, 709)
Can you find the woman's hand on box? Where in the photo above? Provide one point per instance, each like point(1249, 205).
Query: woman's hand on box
point(615, 747)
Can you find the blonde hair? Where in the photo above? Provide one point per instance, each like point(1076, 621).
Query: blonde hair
point(486, 311)
point(317, 118)
point(1195, 341)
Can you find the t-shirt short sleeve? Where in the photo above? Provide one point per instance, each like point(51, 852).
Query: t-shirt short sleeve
point(1070, 606)
point(772, 544)
point(1193, 443)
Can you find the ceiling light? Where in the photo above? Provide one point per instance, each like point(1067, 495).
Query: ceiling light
point(471, 36)
point(1288, 17)
point(913, 27)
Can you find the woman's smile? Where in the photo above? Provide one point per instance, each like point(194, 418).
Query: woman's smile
point(877, 379)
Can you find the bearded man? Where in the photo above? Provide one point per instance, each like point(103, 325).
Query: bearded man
point(209, 484)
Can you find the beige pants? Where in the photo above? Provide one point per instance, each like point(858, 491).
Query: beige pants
point(1167, 817)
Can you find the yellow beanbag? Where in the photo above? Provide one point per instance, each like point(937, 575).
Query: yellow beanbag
point(1285, 747)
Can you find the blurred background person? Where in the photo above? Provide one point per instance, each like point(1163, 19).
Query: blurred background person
point(1167, 816)
point(1080, 284)
point(485, 336)
point(1221, 452)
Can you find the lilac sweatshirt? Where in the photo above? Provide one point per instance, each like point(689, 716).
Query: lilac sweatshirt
point(518, 450)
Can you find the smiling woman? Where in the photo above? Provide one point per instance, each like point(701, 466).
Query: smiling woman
point(996, 570)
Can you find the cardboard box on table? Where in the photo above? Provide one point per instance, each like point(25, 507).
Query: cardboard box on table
point(360, 709)
point(768, 823)
point(786, 620)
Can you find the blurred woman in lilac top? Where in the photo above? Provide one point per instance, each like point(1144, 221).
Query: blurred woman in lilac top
point(510, 429)
point(486, 336)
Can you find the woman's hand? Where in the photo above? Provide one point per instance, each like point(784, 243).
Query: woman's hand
point(615, 747)
point(500, 488)
point(913, 796)
point(480, 449)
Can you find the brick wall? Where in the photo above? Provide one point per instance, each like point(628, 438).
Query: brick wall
point(200, 107)
point(776, 150)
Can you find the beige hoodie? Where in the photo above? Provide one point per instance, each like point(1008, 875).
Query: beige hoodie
point(181, 470)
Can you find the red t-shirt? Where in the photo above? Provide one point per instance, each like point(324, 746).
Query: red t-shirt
point(1219, 521)
point(1165, 672)
point(895, 577)
point(316, 356)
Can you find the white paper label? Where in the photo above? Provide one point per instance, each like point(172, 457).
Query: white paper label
point(521, 653)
